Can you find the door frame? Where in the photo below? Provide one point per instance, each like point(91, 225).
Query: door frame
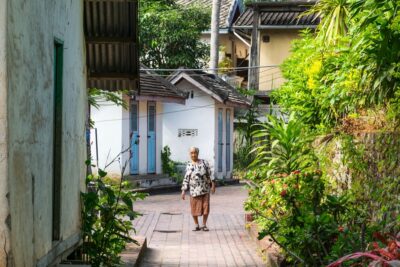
point(152, 103)
point(138, 131)
point(220, 140)
point(228, 123)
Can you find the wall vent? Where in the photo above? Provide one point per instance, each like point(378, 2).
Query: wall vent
point(187, 132)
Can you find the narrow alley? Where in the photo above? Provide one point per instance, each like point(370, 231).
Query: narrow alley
point(167, 224)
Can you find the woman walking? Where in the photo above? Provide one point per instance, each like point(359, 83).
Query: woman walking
point(200, 182)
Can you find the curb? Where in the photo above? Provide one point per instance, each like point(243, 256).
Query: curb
point(133, 254)
point(269, 250)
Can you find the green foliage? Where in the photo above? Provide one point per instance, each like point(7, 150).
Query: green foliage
point(350, 65)
point(328, 179)
point(107, 214)
point(283, 146)
point(247, 123)
point(290, 199)
point(169, 166)
point(170, 34)
point(95, 96)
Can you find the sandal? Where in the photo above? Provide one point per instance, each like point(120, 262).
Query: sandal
point(205, 229)
point(196, 229)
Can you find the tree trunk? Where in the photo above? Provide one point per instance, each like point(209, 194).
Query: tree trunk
point(214, 49)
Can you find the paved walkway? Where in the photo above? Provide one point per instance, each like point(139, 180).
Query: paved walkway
point(167, 223)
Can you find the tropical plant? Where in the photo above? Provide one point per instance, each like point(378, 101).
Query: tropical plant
point(170, 34)
point(107, 214)
point(379, 256)
point(290, 201)
point(282, 147)
point(335, 16)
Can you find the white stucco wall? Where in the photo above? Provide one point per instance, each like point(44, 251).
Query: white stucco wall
point(4, 210)
point(198, 113)
point(113, 136)
point(274, 53)
point(32, 26)
point(201, 113)
point(108, 120)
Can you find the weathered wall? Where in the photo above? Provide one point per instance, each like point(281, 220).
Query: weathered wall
point(274, 53)
point(32, 27)
point(4, 211)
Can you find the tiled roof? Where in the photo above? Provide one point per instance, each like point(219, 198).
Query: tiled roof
point(284, 14)
point(226, 11)
point(214, 84)
point(153, 85)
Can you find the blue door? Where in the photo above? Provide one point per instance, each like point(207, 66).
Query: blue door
point(151, 137)
point(228, 140)
point(134, 137)
point(220, 140)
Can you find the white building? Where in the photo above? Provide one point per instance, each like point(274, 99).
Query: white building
point(136, 131)
point(206, 121)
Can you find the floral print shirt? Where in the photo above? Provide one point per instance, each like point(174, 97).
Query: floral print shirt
point(197, 178)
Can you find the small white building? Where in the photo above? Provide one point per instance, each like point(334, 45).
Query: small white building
point(206, 120)
point(136, 132)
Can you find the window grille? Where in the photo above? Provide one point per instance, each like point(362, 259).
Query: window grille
point(187, 132)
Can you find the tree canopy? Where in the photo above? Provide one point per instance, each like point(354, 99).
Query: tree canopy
point(170, 34)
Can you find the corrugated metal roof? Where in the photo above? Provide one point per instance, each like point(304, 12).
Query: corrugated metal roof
point(111, 44)
point(279, 15)
point(216, 85)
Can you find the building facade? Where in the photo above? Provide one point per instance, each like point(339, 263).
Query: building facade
point(206, 120)
point(42, 129)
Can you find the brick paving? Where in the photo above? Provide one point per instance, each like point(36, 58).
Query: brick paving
point(167, 224)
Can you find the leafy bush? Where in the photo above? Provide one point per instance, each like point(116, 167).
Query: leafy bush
point(290, 199)
point(107, 214)
point(169, 166)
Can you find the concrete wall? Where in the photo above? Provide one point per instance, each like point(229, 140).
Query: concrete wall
point(201, 113)
point(4, 210)
point(108, 122)
point(198, 113)
point(232, 44)
point(274, 53)
point(113, 133)
point(32, 27)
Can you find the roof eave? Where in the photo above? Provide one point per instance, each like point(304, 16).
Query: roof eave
point(268, 27)
point(164, 99)
point(280, 4)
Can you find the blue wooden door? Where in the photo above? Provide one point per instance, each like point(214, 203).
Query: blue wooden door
point(228, 140)
point(220, 140)
point(151, 138)
point(134, 136)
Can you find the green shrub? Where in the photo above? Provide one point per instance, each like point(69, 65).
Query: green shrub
point(107, 214)
point(169, 166)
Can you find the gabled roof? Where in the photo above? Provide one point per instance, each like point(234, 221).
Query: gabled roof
point(212, 85)
point(154, 87)
point(279, 15)
point(227, 12)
